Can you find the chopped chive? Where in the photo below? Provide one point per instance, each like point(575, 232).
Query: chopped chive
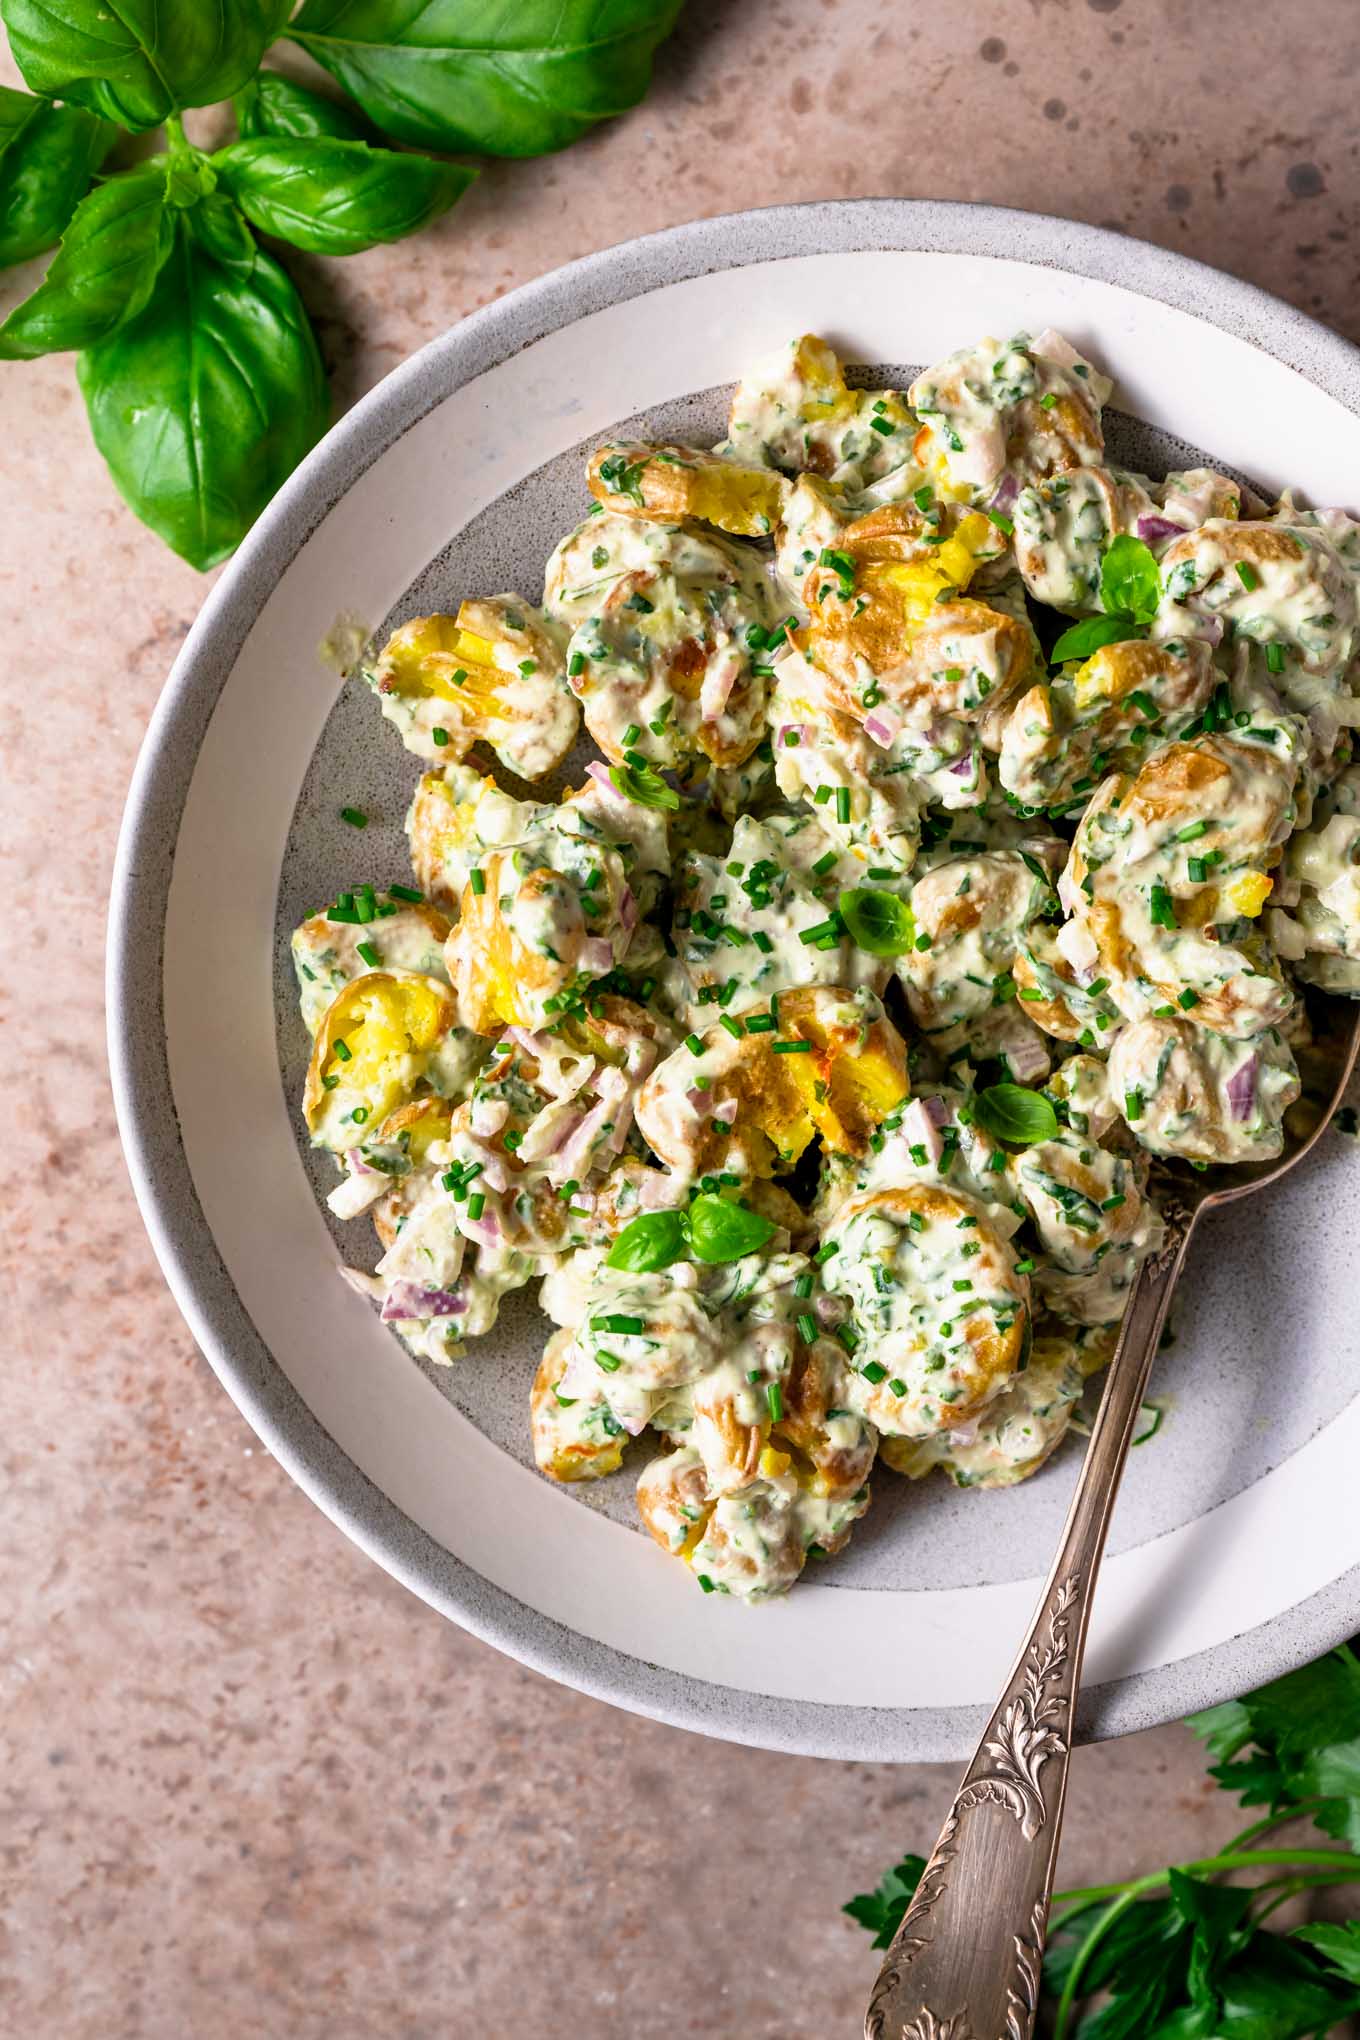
point(734, 1027)
point(693, 1044)
point(1025, 1267)
point(610, 1362)
point(576, 664)
point(329, 1083)
point(1247, 575)
point(1188, 998)
point(1002, 522)
point(1197, 870)
point(1192, 830)
point(626, 1327)
point(405, 892)
point(789, 1047)
point(1275, 657)
point(355, 816)
point(705, 1582)
point(1112, 1203)
point(803, 1286)
point(1133, 1104)
point(842, 804)
point(762, 941)
point(441, 736)
point(340, 1050)
point(807, 1327)
point(822, 929)
point(476, 1204)
point(760, 1023)
point(477, 880)
point(369, 955)
point(827, 862)
point(774, 1396)
point(632, 733)
point(873, 1371)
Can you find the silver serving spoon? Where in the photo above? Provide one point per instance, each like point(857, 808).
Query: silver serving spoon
point(965, 1961)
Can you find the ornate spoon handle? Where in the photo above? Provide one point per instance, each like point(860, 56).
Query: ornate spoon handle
point(965, 1963)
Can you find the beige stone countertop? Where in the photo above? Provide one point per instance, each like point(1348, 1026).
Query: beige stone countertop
point(251, 1786)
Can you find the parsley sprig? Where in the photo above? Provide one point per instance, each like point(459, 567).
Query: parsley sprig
point(1183, 1954)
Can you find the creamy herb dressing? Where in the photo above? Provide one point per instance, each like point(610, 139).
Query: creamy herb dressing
point(810, 1055)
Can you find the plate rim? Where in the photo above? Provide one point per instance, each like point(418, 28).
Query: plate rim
point(144, 1105)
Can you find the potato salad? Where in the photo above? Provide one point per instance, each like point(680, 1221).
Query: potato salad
point(955, 823)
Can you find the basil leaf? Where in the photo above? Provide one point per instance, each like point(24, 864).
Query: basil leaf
point(484, 75)
point(143, 60)
point(878, 922)
point(47, 156)
point(722, 1231)
point(649, 1243)
point(206, 401)
point(274, 105)
point(104, 271)
point(643, 785)
point(1014, 1113)
point(1130, 579)
point(336, 198)
point(1091, 633)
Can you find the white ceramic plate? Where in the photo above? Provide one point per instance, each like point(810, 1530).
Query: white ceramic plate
point(1236, 1550)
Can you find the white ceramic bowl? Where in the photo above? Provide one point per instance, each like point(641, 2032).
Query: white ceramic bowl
point(1236, 1549)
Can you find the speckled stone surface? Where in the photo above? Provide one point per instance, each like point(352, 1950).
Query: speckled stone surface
point(249, 1785)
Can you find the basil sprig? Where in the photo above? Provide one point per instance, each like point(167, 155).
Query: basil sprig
point(878, 922)
point(204, 402)
point(198, 364)
point(1014, 1113)
point(496, 81)
point(48, 155)
point(1130, 590)
point(713, 1229)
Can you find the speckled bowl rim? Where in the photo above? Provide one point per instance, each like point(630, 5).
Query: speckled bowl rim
point(140, 889)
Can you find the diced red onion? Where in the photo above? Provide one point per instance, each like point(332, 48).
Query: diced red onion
point(1153, 527)
point(363, 1285)
point(628, 909)
point(964, 767)
point(600, 774)
point(935, 1110)
point(700, 1100)
point(548, 1129)
point(718, 682)
point(597, 955)
point(657, 1192)
point(360, 1189)
point(1026, 1054)
point(830, 1309)
point(487, 1116)
point(920, 1129)
point(416, 1300)
point(1241, 1088)
point(1005, 492)
point(875, 727)
point(573, 1157)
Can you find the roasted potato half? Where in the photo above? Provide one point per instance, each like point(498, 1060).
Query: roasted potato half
point(574, 1438)
point(495, 672)
point(326, 953)
point(752, 1100)
point(372, 1050)
point(677, 482)
point(939, 1319)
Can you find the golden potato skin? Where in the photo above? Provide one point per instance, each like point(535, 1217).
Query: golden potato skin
point(561, 1449)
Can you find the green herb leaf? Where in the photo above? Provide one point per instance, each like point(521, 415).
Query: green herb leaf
point(47, 157)
point(1012, 1112)
point(206, 401)
point(643, 785)
point(1130, 579)
point(274, 105)
point(142, 60)
point(1338, 1945)
point(336, 198)
point(1091, 633)
point(493, 79)
point(720, 1230)
point(880, 1911)
point(655, 1240)
point(879, 922)
point(1277, 1991)
point(1306, 1732)
point(103, 273)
